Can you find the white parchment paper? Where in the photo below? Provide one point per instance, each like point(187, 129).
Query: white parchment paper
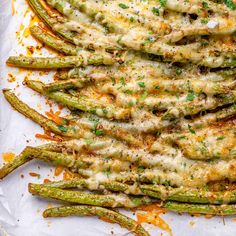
point(21, 213)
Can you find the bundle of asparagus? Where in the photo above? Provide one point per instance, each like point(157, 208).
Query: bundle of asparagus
point(154, 84)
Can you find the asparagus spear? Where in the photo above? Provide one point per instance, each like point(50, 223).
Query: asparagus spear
point(82, 103)
point(193, 108)
point(51, 21)
point(222, 210)
point(62, 129)
point(210, 118)
point(18, 161)
point(103, 213)
point(53, 42)
point(156, 86)
point(68, 84)
point(82, 58)
point(59, 159)
point(181, 194)
point(197, 7)
point(191, 195)
point(111, 200)
point(39, 153)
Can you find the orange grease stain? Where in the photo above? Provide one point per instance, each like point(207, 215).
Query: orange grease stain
point(58, 170)
point(13, 7)
point(34, 19)
point(33, 174)
point(11, 78)
point(26, 12)
point(152, 216)
point(49, 205)
point(67, 175)
point(8, 156)
point(46, 181)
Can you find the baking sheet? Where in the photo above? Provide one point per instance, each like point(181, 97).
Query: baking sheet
point(21, 213)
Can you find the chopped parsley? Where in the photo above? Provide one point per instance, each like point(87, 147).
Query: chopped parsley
point(122, 81)
point(123, 6)
point(141, 168)
point(205, 5)
point(127, 91)
point(96, 121)
point(191, 130)
point(204, 21)
point(230, 4)
point(99, 132)
point(104, 110)
point(141, 84)
point(88, 141)
point(163, 2)
point(220, 138)
point(131, 104)
point(190, 96)
point(178, 71)
point(144, 96)
point(131, 19)
point(62, 128)
point(108, 171)
point(156, 11)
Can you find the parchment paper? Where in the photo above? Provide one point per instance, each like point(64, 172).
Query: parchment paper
point(21, 213)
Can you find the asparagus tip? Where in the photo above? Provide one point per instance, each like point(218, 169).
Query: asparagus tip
point(10, 60)
point(6, 90)
point(45, 214)
point(31, 188)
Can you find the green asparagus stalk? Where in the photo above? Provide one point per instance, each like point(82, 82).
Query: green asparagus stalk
point(51, 21)
point(82, 58)
point(174, 86)
point(61, 129)
point(25, 156)
point(68, 84)
point(59, 159)
point(192, 108)
point(103, 213)
point(210, 118)
point(96, 185)
point(198, 7)
point(181, 194)
point(54, 158)
point(53, 42)
point(222, 210)
point(189, 195)
point(82, 103)
point(111, 200)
